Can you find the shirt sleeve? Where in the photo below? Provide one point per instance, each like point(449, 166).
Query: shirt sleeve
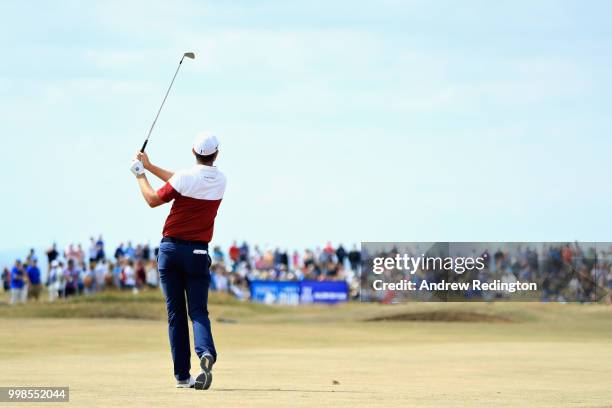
point(172, 189)
point(167, 193)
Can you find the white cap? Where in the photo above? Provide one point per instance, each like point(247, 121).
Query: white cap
point(205, 144)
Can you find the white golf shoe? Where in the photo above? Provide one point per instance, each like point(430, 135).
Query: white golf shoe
point(189, 383)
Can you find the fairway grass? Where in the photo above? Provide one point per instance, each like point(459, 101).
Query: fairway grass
point(547, 355)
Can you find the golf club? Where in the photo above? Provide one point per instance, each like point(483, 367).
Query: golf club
point(188, 55)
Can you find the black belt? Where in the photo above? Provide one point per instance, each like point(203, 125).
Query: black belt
point(185, 242)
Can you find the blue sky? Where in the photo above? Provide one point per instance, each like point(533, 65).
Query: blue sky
point(342, 121)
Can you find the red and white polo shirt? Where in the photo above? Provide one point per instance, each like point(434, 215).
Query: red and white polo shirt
point(197, 194)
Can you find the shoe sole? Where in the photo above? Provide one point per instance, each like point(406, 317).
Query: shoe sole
point(204, 379)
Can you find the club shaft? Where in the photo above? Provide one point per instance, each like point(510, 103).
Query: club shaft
point(144, 145)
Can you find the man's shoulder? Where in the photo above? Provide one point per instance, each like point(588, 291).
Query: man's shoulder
point(221, 176)
point(197, 168)
point(186, 174)
point(197, 172)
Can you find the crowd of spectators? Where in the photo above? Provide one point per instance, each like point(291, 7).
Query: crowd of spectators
point(571, 271)
point(74, 271)
point(232, 271)
point(563, 272)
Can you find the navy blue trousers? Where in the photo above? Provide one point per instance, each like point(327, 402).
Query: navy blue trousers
point(185, 270)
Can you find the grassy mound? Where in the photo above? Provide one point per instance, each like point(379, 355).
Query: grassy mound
point(148, 305)
point(444, 316)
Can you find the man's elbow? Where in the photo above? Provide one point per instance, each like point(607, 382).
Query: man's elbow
point(154, 201)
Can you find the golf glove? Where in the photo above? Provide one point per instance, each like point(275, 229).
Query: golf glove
point(137, 168)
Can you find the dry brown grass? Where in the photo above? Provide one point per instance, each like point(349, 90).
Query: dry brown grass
point(550, 355)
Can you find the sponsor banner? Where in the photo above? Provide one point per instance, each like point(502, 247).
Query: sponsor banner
point(293, 293)
point(323, 292)
point(273, 292)
point(395, 272)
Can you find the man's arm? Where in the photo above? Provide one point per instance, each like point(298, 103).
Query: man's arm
point(162, 174)
point(147, 191)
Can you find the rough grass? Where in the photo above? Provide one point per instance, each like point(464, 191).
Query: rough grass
point(148, 304)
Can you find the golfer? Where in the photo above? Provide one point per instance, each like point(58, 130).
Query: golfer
point(184, 262)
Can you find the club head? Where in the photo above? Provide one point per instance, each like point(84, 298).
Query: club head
point(189, 55)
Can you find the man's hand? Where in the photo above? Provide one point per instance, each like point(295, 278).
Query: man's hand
point(147, 191)
point(144, 158)
point(137, 168)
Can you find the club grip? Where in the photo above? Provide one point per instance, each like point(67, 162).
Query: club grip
point(144, 145)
